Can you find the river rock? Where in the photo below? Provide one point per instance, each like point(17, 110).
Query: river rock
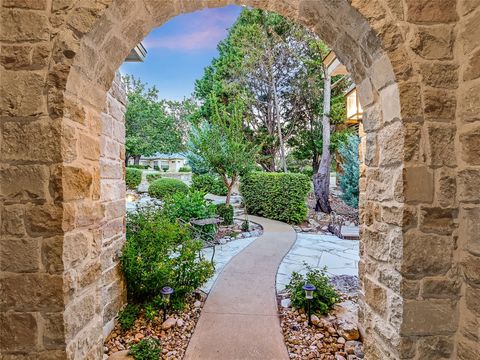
point(120, 355)
point(169, 323)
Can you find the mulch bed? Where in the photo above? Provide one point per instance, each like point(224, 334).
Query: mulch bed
point(174, 335)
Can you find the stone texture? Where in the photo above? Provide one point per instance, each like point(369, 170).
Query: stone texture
point(55, 73)
point(471, 146)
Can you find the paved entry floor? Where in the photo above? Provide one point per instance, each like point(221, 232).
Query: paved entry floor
point(240, 319)
point(339, 256)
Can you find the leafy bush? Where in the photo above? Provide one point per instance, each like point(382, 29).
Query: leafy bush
point(324, 297)
point(156, 167)
point(146, 349)
point(226, 213)
point(277, 196)
point(141, 167)
point(185, 169)
point(159, 252)
point(153, 176)
point(209, 183)
point(188, 206)
point(351, 171)
point(245, 225)
point(133, 178)
point(164, 187)
point(126, 318)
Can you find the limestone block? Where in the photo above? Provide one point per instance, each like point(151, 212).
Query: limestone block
point(440, 75)
point(447, 187)
point(470, 141)
point(39, 292)
point(21, 93)
point(18, 331)
point(418, 184)
point(429, 317)
point(376, 296)
point(438, 220)
point(390, 141)
point(77, 183)
point(411, 100)
point(44, 219)
point(412, 141)
point(471, 269)
point(32, 141)
point(19, 255)
point(433, 42)
point(431, 11)
point(89, 147)
point(469, 220)
point(440, 105)
point(441, 287)
point(426, 254)
point(12, 220)
point(470, 36)
point(468, 183)
point(435, 347)
point(23, 25)
point(472, 296)
point(442, 145)
point(53, 330)
point(468, 102)
point(472, 70)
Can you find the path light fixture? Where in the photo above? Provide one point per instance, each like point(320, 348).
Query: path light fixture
point(166, 292)
point(309, 289)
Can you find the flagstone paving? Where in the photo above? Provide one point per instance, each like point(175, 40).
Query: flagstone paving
point(240, 318)
point(339, 256)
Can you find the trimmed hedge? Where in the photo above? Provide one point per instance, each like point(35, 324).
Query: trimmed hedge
point(226, 213)
point(141, 167)
point(209, 183)
point(165, 187)
point(153, 176)
point(133, 178)
point(276, 196)
point(185, 169)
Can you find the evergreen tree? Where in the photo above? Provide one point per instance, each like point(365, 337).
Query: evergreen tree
point(351, 170)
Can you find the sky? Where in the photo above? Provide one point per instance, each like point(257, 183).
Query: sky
point(179, 50)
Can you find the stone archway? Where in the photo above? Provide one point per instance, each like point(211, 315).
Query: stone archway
point(416, 64)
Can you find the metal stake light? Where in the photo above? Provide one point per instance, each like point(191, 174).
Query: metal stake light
point(309, 289)
point(166, 292)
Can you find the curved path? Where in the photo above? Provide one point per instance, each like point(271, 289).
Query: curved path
point(240, 318)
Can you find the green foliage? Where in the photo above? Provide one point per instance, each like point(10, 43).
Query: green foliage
point(148, 124)
point(142, 167)
point(221, 147)
point(153, 176)
point(324, 297)
point(150, 311)
point(133, 178)
point(185, 169)
point(126, 318)
point(188, 206)
point(158, 253)
point(146, 349)
point(351, 171)
point(278, 196)
point(165, 187)
point(245, 225)
point(209, 183)
point(226, 213)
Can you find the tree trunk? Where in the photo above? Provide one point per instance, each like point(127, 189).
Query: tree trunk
point(283, 162)
point(136, 159)
point(321, 180)
point(229, 186)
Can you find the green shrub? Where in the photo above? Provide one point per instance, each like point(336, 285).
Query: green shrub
point(185, 169)
point(209, 183)
point(158, 253)
point(226, 213)
point(146, 349)
point(277, 196)
point(324, 297)
point(187, 207)
point(133, 178)
point(153, 176)
point(351, 171)
point(156, 167)
point(165, 187)
point(141, 167)
point(126, 318)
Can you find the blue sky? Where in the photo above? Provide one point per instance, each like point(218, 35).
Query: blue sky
point(180, 49)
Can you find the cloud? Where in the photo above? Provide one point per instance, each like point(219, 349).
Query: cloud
point(201, 30)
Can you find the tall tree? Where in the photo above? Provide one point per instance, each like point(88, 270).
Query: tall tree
point(219, 145)
point(149, 127)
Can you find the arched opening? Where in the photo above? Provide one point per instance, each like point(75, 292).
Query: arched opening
point(419, 185)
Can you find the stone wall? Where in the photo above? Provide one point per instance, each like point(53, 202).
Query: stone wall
point(112, 190)
point(416, 66)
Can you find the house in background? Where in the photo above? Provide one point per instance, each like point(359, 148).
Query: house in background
point(354, 110)
point(164, 162)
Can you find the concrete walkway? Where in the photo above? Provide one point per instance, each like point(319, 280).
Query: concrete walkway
point(240, 318)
